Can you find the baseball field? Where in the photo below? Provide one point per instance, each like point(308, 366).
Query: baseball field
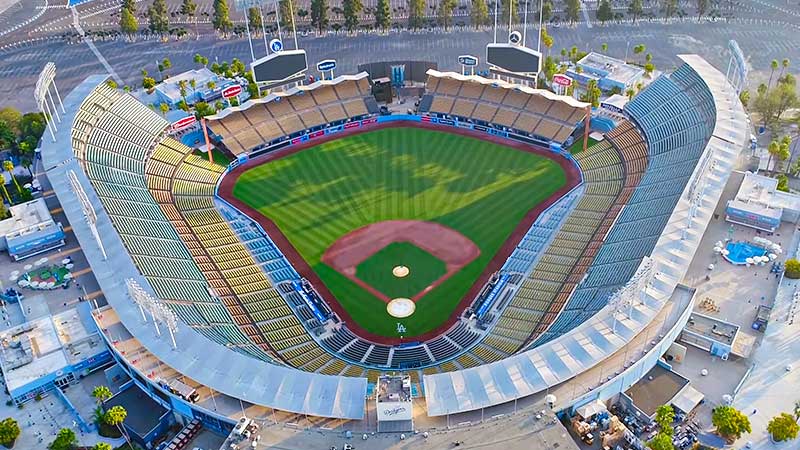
point(399, 212)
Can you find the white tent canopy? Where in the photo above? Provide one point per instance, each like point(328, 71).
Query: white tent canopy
point(591, 409)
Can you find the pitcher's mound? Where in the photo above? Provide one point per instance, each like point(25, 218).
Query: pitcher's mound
point(400, 271)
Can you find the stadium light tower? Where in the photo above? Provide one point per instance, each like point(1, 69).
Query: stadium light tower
point(245, 5)
point(137, 295)
point(625, 297)
point(88, 210)
point(159, 311)
point(539, 44)
point(42, 94)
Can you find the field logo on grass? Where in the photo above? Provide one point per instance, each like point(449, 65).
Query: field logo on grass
point(401, 329)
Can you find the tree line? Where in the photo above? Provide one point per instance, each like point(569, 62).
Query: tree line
point(353, 13)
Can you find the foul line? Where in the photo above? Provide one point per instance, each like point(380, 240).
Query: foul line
point(76, 23)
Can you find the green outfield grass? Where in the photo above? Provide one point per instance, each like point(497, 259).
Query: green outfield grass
point(424, 269)
point(577, 146)
point(219, 157)
point(478, 188)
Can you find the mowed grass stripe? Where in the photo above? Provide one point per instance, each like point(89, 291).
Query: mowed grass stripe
point(478, 188)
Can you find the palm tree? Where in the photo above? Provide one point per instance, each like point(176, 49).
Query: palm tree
point(5, 191)
point(115, 416)
point(784, 66)
point(167, 64)
point(8, 166)
point(604, 47)
point(182, 86)
point(547, 40)
point(774, 66)
point(630, 93)
point(773, 150)
point(101, 394)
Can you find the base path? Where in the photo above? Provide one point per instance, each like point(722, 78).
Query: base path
point(229, 181)
point(447, 244)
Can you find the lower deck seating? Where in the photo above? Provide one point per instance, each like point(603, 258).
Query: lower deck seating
point(231, 268)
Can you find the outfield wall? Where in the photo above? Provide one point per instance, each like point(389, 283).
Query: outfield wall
point(455, 123)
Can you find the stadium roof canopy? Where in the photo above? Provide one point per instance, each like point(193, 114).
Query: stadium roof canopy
point(593, 341)
point(288, 92)
point(197, 357)
point(575, 103)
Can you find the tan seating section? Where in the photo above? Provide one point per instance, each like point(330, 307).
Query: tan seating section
point(504, 105)
point(261, 123)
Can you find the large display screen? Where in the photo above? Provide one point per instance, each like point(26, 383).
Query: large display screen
point(279, 66)
point(514, 58)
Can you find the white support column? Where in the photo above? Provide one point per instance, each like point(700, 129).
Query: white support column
point(525, 23)
point(539, 44)
point(49, 119)
point(172, 337)
point(249, 37)
point(495, 20)
point(294, 25)
point(53, 104)
point(263, 27)
point(510, 14)
point(278, 19)
point(64, 111)
point(155, 322)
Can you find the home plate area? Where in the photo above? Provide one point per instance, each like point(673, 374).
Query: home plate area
point(399, 261)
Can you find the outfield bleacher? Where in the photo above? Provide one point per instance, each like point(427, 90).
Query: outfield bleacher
point(261, 121)
point(495, 103)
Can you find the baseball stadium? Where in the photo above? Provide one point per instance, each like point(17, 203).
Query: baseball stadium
point(498, 248)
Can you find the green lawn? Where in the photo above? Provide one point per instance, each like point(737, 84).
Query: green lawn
point(577, 146)
point(478, 188)
point(424, 269)
point(219, 157)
